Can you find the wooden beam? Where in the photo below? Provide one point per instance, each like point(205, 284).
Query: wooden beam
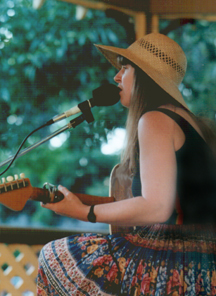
point(147, 13)
point(166, 7)
point(99, 5)
point(153, 7)
point(196, 16)
point(139, 17)
point(33, 236)
point(135, 5)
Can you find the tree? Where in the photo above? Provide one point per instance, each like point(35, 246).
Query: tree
point(48, 65)
point(198, 42)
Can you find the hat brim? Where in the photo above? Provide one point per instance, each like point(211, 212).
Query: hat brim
point(111, 53)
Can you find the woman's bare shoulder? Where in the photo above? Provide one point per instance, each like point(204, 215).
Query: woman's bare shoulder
point(159, 125)
point(156, 121)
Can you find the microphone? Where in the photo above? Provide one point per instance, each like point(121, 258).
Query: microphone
point(105, 95)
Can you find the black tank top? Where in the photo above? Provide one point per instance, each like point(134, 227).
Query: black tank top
point(196, 177)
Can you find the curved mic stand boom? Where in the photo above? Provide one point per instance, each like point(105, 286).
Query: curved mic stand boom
point(15, 193)
point(87, 115)
point(110, 95)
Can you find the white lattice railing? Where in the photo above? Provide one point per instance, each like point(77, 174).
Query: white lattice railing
point(18, 270)
point(19, 250)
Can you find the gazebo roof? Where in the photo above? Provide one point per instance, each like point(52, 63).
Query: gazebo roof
point(147, 13)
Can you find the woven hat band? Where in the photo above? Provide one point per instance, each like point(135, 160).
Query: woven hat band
point(170, 64)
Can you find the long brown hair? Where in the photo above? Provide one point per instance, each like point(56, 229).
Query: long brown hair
point(147, 95)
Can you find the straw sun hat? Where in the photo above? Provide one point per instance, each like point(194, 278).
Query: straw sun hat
point(158, 56)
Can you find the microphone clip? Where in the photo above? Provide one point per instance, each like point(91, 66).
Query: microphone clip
point(85, 108)
point(87, 115)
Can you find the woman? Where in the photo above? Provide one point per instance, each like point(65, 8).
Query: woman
point(173, 168)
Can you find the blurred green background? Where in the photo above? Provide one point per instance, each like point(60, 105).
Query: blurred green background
point(49, 64)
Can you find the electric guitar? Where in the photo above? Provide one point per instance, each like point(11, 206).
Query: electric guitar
point(15, 192)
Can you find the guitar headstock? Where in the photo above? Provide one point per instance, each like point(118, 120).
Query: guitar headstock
point(15, 191)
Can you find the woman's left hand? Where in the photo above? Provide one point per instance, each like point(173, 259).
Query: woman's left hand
point(70, 206)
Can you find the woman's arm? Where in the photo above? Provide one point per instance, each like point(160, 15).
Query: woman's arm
point(158, 179)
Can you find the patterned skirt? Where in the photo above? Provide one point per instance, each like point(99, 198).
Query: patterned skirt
point(153, 260)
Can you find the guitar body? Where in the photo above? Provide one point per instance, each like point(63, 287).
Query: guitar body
point(119, 191)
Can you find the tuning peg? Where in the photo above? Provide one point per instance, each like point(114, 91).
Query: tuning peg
point(22, 175)
point(9, 178)
point(16, 177)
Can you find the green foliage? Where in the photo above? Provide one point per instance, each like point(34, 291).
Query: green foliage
point(198, 42)
point(48, 65)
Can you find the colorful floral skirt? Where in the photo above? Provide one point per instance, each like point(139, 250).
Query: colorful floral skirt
point(153, 260)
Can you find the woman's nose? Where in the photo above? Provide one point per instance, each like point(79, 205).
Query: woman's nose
point(117, 78)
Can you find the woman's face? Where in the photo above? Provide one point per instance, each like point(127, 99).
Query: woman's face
point(125, 80)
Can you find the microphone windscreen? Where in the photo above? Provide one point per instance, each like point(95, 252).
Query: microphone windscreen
point(105, 95)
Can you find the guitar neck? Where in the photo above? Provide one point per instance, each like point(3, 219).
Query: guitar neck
point(41, 194)
point(94, 200)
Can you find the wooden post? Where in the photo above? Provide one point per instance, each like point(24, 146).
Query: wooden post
point(140, 24)
point(155, 23)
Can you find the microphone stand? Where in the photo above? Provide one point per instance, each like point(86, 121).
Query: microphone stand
point(87, 115)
